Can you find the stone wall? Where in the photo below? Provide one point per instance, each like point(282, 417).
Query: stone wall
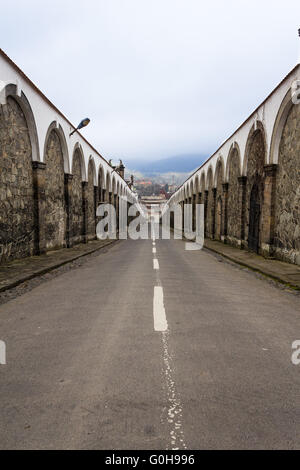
point(42, 209)
point(55, 214)
point(17, 225)
point(210, 209)
point(287, 200)
point(277, 196)
point(100, 186)
point(219, 215)
point(77, 204)
point(91, 225)
point(44, 203)
point(256, 154)
point(234, 203)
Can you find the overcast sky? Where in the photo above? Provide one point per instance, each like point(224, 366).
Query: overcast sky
point(157, 78)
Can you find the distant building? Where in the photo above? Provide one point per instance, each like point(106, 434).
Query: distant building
point(143, 183)
point(153, 202)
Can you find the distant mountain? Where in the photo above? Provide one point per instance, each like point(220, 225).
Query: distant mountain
point(176, 164)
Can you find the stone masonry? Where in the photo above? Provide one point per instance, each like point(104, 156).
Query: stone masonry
point(233, 205)
point(287, 198)
point(17, 224)
point(77, 203)
point(55, 216)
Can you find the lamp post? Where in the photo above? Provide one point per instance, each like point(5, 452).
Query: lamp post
point(82, 124)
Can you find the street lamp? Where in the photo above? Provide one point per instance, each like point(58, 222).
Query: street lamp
point(82, 124)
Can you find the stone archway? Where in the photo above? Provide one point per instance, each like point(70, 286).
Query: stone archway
point(209, 222)
point(18, 226)
point(254, 189)
point(100, 184)
point(219, 218)
point(234, 205)
point(77, 200)
point(108, 197)
point(287, 207)
point(91, 206)
point(55, 213)
point(219, 199)
point(254, 219)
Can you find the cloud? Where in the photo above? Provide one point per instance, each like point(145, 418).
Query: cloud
point(156, 78)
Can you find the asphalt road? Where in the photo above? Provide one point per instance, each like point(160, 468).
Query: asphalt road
point(86, 368)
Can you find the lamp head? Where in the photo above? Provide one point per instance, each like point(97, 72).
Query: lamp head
point(84, 123)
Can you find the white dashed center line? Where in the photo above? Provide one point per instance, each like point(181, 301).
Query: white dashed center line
point(155, 263)
point(173, 412)
point(159, 313)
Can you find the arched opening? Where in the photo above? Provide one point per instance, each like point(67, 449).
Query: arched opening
point(55, 213)
point(255, 160)
point(117, 199)
point(100, 184)
point(11, 91)
point(219, 217)
point(108, 189)
point(202, 189)
point(191, 213)
point(18, 226)
point(287, 207)
point(113, 192)
point(219, 180)
point(234, 209)
point(209, 226)
point(77, 203)
point(254, 219)
point(91, 215)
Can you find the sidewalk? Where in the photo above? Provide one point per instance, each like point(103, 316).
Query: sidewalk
point(285, 273)
point(14, 273)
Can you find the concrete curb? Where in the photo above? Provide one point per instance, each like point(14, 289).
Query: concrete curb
point(41, 272)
